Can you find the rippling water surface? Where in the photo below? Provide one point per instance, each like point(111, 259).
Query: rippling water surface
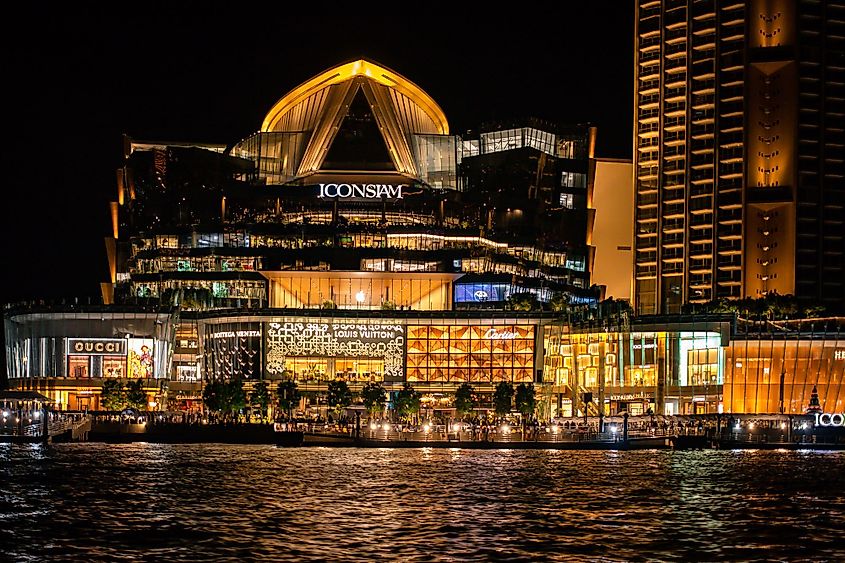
point(220, 502)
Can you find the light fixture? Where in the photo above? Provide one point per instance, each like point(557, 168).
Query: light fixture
point(360, 296)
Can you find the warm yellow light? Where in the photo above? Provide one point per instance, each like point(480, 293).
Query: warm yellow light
point(349, 71)
point(114, 217)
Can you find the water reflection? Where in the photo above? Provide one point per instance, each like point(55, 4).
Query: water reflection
point(189, 502)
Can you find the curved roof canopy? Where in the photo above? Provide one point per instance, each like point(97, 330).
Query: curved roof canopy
point(317, 107)
point(275, 118)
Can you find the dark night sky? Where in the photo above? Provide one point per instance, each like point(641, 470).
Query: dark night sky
point(78, 76)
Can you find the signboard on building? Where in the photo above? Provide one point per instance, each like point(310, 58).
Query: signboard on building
point(336, 340)
point(830, 419)
point(233, 350)
point(140, 360)
point(111, 357)
point(361, 191)
point(96, 346)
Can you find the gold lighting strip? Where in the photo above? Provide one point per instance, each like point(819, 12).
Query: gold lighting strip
point(349, 71)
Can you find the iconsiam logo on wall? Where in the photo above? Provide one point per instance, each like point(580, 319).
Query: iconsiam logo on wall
point(336, 340)
point(830, 419)
point(361, 191)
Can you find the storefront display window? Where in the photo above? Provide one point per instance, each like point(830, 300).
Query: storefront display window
point(352, 351)
point(78, 367)
point(484, 354)
point(140, 360)
point(114, 366)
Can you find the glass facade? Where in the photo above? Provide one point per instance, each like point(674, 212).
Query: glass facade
point(672, 372)
point(758, 372)
point(276, 155)
point(437, 163)
point(666, 365)
point(319, 349)
point(467, 353)
point(530, 137)
point(343, 290)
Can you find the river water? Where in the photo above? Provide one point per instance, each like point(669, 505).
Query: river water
point(82, 502)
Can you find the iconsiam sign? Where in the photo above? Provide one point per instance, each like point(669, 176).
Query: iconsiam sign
point(363, 191)
point(830, 419)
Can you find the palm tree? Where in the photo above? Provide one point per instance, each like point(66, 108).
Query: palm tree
point(373, 395)
point(339, 395)
point(113, 396)
point(235, 397)
point(287, 395)
point(407, 402)
point(503, 398)
point(212, 396)
point(260, 398)
point(525, 401)
point(136, 397)
point(464, 399)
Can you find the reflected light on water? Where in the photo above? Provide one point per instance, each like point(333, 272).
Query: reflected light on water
point(214, 502)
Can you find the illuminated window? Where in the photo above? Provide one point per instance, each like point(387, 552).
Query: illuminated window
point(573, 180)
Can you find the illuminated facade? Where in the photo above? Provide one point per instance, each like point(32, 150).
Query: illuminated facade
point(695, 365)
point(739, 175)
point(354, 194)
point(67, 354)
point(666, 365)
point(354, 238)
point(611, 207)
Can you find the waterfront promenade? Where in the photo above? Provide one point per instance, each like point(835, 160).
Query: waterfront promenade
point(761, 432)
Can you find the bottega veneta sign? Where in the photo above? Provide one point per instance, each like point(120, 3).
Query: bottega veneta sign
point(362, 191)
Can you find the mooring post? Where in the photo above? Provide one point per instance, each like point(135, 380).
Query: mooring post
point(45, 424)
point(625, 430)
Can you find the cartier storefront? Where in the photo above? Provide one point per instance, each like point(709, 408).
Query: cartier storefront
point(439, 352)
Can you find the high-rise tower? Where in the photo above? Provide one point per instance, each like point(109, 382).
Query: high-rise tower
point(739, 151)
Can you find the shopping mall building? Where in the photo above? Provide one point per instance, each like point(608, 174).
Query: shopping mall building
point(354, 237)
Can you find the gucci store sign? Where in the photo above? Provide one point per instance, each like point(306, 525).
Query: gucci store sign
point(97, 346)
